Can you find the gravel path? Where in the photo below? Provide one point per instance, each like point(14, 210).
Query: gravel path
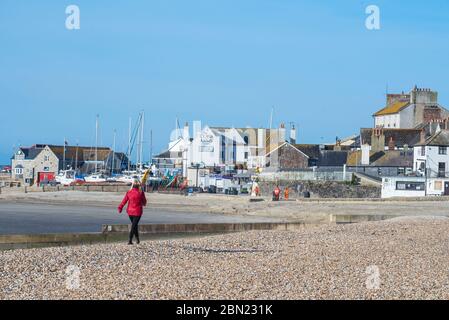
point(333, 262)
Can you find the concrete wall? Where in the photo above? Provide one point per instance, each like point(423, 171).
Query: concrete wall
point(305, 175)
point(406, 120)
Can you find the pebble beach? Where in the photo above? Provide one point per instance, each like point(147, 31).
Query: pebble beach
point(401, 258)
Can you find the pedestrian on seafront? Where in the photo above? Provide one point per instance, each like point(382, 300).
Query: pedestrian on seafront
point(136, 200)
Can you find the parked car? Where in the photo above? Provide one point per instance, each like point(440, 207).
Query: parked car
point(51, 183)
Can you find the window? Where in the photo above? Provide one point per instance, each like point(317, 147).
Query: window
point(423, 151)
point(411, 186)
point(19, 171)
point(442, 150)
point(441, 169)
point(46, 158)
point(246, 155)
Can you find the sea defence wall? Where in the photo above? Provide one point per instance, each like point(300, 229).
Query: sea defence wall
point(111, 233)
point(322, 189)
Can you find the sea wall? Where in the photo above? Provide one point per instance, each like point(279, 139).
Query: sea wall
point(321, 189)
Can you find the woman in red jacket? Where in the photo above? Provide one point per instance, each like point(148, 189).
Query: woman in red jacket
point(136, 201)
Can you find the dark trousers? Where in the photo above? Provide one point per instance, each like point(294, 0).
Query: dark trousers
point(134, 228)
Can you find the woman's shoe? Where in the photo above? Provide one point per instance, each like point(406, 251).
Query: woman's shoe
point(130, 243)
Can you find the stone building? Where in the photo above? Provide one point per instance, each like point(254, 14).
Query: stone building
point(407, 111)
point(33, 165)
point(286, 157)
point(43, 162)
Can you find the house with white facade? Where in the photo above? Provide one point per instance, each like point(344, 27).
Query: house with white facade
point(408, 111)
point(217, 148)
point(221, 148)
point(430, 163)
point(431, 156)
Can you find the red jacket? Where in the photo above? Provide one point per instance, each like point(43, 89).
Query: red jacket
point(136, 200)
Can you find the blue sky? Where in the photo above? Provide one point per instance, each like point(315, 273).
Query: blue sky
point(223, 62)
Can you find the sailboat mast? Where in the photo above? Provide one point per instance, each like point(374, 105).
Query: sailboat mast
point(141, 140)
point(63, 157)
point(151, 146)
point(76, 156)
point(113, 154)
point(129, 143)
point(96, 143)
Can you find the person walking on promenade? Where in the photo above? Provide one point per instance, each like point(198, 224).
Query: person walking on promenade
point(136, 201)
point(286, 193)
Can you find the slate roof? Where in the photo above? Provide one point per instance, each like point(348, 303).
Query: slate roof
point(387, 158)
point(400, 137)
point(30, 153)
point(168, 155)
point(330, 158)
point(311, 150)
point(439, 139)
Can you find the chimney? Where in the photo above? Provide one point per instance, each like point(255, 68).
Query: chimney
point(365, 155)
point(422, 136)
point(282, 133)
point(293, 134)
point(185, 134)
point(391, 144)
point(377, 140)
point(337, 144)
point(197, 127)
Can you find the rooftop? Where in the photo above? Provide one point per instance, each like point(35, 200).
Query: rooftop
point(393, 108)
point(440, 138)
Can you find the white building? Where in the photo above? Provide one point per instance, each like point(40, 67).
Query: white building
point(407, 111)
point(430, 156)
point(217, 148)
point(221, 147)
point(414, 187)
